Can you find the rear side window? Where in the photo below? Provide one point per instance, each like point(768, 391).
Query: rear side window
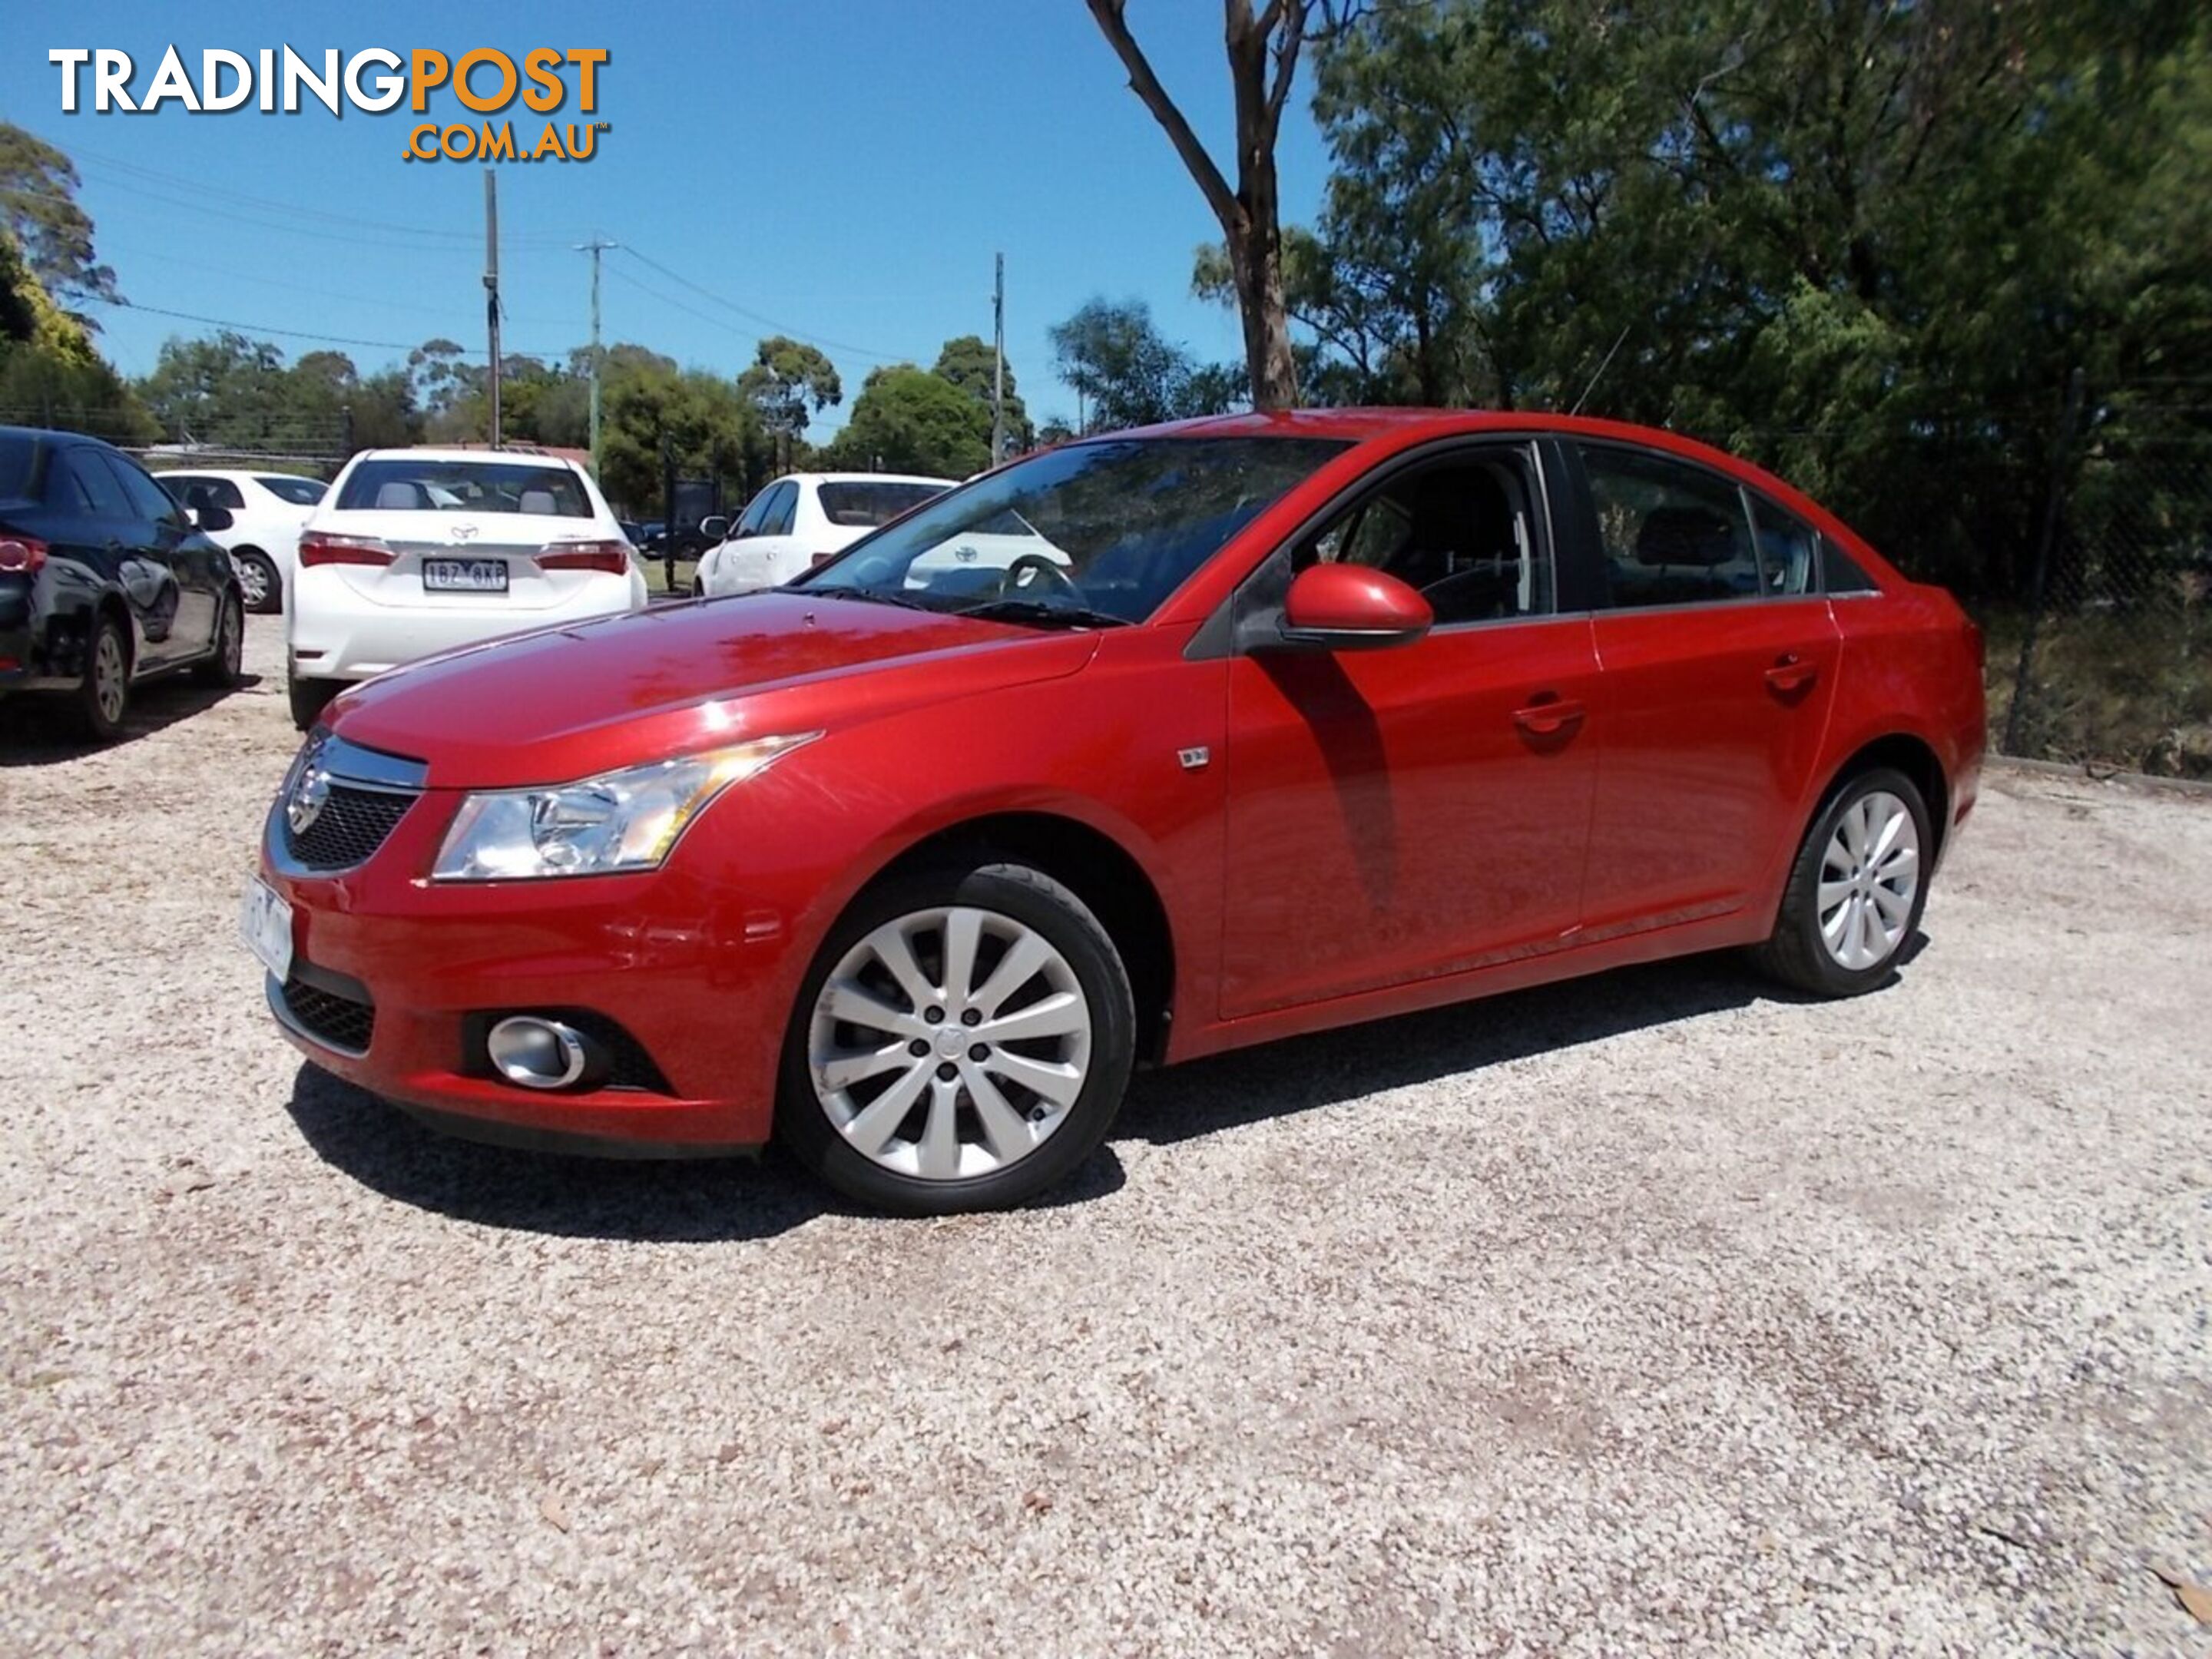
point(19, 465)
point(1670, 534)
point(398, 485)
point(300, 492)
point(865, 506)
point(1840, 573)
point(1788, 552)
point(102, 493)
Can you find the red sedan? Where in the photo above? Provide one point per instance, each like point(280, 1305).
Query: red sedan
point(1150, 746)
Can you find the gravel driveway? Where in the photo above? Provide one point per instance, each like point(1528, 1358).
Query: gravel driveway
point(1650, 1314)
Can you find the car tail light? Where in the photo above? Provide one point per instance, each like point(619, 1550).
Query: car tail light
point(612, 557)
point(22, 555)
point(326, 547)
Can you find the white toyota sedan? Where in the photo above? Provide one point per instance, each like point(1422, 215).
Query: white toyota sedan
point(414, 551)
point(798, 521)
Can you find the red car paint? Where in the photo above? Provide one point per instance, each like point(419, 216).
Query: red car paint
point(1368, 832)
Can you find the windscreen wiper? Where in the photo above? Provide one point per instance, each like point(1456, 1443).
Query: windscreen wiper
point(1037, 610)
point(866, 596)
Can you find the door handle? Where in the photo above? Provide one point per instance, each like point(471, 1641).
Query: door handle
point(1792, 673)
point(1547, 715)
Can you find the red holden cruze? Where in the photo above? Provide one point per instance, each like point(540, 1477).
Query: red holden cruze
point(1144, 748)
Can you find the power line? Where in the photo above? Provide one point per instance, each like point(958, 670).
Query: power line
point(298, 333)
point(754, 317)
point(306, 288)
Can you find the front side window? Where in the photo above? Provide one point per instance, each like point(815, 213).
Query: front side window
point(400, 485)
point(1462, 532)
point(781, 510)
point(1088, 534)
point(195, 491)
point(756, 512)
point(1669, 534)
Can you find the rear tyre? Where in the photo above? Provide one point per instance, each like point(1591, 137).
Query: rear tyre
point(103, 696)
point(259, 580)
point(309, 698)
point(962, 1041)
point(222, 668)
point(1856, 890)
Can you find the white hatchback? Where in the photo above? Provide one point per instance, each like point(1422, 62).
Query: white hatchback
point(415, 551)
point(266, 511)
point(798, 521)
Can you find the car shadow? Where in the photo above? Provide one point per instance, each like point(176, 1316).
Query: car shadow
point(705, 1200)
point(724, 1200)
point(35, 730)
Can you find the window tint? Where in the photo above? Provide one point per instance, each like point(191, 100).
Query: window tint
point(1670, 534)
point(1463, 533)
point(147, 499)
point(195, 491)
point(99, 485)
point(19, 462)
point(1839, 572)
point(754, 513)
point(433, 486)
point(1788, 552)
point(865, 506)
point(781, 511)
point(300, 492)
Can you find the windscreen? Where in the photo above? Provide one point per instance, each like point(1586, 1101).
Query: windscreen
point(396, 485)
point(865, 506)
point(1099, 532)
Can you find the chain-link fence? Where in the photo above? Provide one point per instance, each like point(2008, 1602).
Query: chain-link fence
point(2110, 661)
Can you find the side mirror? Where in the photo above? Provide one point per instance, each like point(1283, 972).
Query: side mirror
point(714, 529)
point(1348, 607)
point(211, 517)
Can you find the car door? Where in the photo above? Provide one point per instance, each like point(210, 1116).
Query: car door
point(756, 561)
point(120, 547)
point(198, 565)
point(1719, 659)
point(1398, 814)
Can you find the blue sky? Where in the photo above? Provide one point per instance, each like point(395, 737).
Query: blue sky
point(844, 167)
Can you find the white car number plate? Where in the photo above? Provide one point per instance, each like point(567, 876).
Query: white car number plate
point(465, 576)
point(266, 923)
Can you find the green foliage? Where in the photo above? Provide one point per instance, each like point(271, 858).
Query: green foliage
point(789, 382)
point(1129, 375)
point(967, 362)
point(1867, 243)
point(653, 413)
point(50, 374)
point(911, 420)
point(240, 393)
point(38, 210)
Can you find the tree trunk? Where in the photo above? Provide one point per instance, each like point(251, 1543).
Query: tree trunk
point(1258, 264)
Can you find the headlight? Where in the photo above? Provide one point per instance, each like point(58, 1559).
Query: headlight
point(624, 820)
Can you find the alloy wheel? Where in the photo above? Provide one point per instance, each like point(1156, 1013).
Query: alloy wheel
point(1869, 874)
point(253, 578)
point(110, 675)
point(950, 1043)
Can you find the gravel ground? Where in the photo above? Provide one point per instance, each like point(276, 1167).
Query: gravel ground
point(1650, 1314)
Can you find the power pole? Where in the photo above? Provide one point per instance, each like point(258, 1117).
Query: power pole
point(998, 363)
point(596, 246)
point(491, 290)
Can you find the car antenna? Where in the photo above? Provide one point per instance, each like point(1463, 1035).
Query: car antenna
point(1601, 368)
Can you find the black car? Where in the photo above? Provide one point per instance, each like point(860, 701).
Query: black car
point(104, 582)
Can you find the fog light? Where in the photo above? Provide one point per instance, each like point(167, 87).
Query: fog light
point(537, 1053)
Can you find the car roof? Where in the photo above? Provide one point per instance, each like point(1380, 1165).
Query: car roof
point(51, 434)
point(490, 456)
point(864, 477)
point(234, 472)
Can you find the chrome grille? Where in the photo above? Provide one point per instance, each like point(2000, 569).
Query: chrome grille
point(352, 826)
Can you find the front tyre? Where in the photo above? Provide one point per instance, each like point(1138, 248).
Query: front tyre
point(961, 1042)
point(259, 580)
point(103, 696)
point(1856, 890)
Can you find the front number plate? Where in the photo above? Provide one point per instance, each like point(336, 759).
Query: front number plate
point(465, 576)
point(266, 923)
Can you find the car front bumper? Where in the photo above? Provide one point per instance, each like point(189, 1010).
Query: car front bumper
point(686, 971)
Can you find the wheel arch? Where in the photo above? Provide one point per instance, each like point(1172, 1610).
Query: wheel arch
point(1099, 870)
point(1909, 753)
point(109, 606)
